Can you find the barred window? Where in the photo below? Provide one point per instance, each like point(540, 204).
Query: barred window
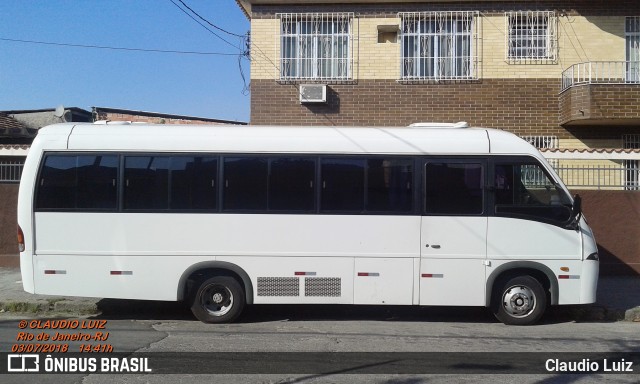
point(532, 35)
point(542, 142)
point(316, 46)
point(632, 40)
point(439, 45)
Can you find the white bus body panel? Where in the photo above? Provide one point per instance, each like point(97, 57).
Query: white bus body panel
point(383, 281)
point(47, 139)
point(452, 270)
point(517, 239)
point(123, 241)
point(256, 139)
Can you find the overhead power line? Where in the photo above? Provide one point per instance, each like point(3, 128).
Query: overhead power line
point(208, 22)
point(239, 47)
point(121, 48)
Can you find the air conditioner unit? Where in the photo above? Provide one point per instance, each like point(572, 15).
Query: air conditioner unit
point(313, 93)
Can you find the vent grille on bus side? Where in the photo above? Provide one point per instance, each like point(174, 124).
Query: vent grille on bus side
point(278, 286)
point(322, 286)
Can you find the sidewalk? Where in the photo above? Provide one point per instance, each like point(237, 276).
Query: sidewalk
point(618, 299)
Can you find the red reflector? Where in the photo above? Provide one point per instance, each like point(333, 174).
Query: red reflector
point(563, 276)
point(427, 275)
point(122, 272)
point(54, 272)
point(305, 273)
point(368, 274)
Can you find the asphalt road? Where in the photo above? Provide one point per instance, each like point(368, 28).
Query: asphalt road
point(343, 332)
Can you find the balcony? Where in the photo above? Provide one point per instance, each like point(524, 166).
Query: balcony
point(601, 93)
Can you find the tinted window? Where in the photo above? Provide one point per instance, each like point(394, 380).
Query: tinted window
point(78, 182)
point(291, 184)
point(453, 188)
point(246, 182)
point(526, 190)
point(342, 184)
point(194, 182)
point(146, 182)
point(389, 185)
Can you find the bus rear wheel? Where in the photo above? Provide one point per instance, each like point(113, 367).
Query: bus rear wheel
point(520, 300)
point(219, 299)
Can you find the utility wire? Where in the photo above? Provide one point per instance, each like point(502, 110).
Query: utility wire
point(120, 48)
point(208, 22)
point(205, 27)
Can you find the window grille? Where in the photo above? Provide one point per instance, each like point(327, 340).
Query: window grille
point(11, 170)
point(439, 45)
point(544, 142)
point(531, 35)
point(316, 46)
point(632, 41)
point(631, 167)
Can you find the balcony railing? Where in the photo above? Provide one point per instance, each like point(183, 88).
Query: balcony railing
point(601, 72)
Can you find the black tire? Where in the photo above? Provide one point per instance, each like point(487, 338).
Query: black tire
point(219, 299)
point(519, 300)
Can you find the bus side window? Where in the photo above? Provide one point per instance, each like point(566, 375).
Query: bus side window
point(342, 184)
point(194, 183)
point(78, 182)
point(389, 185)
point(525, 190)
point(454, 188)
point(146, 182)
point(246, 181)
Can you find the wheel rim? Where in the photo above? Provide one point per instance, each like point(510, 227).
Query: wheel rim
point(519, 301)
point(216, 299)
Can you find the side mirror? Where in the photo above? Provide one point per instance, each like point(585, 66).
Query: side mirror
point(577, 206)
point(576, 211)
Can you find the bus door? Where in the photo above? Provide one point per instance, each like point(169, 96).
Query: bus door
point(453, 233)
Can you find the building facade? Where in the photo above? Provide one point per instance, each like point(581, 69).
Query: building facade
point(564, 71)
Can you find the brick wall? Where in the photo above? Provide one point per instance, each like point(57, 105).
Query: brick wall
point(614, 217)
point(522, 106)
point(600, 101)
point(8, 225)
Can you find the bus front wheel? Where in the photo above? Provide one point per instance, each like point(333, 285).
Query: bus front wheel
point(520, 300)
point(219, 299)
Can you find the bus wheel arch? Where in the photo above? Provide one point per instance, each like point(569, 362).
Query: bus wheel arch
point(518, 293)
point(198, 273)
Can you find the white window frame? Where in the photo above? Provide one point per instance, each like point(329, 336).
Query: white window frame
point(632, 48)
point(439, 46)
point(532, 36)
point(315, 46)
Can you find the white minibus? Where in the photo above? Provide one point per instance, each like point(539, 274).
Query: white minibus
point(227, 216)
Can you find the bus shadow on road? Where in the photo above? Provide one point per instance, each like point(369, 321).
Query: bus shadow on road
point(167, 310)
